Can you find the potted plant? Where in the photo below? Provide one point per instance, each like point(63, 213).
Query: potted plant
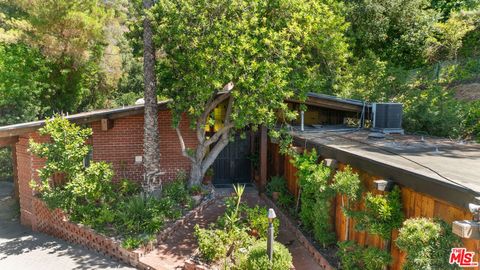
point(276, 186)
point(207, 179)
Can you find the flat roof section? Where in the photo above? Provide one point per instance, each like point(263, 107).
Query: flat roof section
point(439, 167)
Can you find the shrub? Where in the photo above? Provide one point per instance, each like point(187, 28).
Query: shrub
point(257, 258)
point(127, 187)
point(382, 213)
point(139, 215)
point(257, 220)
point(285, 200)
point(375, 259)
point(349, 255)
point(211, 243)
point(177, 191)
point(427, 243)
point(132, 242)
point(316, 196)
point(276, 184)
point(355, 257)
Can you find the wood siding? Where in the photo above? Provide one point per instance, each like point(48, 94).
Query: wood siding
point(415, 204)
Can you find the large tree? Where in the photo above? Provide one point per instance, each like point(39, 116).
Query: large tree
point(151, 147)
point(249, 56)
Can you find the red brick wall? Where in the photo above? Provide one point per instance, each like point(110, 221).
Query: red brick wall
point(27, 166)
point(118, 146)
point(124, 141)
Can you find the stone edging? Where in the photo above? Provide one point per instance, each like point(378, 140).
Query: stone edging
point(317, 256)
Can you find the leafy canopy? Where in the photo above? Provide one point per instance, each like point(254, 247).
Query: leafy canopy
point(269, 50)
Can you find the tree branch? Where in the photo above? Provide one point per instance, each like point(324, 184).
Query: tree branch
point(212, 155)
point(182, 145)
point(217, 134)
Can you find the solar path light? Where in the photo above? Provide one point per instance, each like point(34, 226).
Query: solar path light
point(270, 232)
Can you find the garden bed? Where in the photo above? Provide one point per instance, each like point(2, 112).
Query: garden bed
point(325, 257)
point(56, 223)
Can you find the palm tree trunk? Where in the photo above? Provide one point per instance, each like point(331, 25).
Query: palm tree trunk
point(151, 147)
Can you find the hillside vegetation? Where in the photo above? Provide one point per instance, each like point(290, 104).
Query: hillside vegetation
point(71, 56)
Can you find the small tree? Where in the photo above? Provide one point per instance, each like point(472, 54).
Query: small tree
point(86, 191)
point(248, 55)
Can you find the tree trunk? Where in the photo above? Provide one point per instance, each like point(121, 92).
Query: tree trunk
point(196, 174)
point(201, 160)
point(151, 147)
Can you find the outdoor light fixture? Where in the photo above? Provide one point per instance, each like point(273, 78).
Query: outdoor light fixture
point(302, 121)
point(384, 185)
point(469, 229)
point(271, 216)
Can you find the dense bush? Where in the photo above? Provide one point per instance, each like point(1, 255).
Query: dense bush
point(355, 257)
point(382, 214)
point(316, 196)
point(212, 243)
point(427, 243)
point(257, 258)
point(256, 219)
point(276, 184)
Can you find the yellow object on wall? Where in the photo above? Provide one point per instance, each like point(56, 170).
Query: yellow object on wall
point(218, 116)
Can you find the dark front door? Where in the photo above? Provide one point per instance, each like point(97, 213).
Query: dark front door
point(232, 164)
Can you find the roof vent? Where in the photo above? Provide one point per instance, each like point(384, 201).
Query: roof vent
point(387, 117)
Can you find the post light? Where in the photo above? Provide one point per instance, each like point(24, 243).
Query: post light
point(270, 233)
point(302, 121)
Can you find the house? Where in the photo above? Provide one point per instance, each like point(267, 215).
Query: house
point(438, 177)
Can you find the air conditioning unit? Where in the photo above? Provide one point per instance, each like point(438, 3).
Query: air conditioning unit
point(387, 118)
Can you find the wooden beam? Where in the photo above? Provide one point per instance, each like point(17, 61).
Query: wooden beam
point(106, 124)
point(263, 158)
point(8, 141)
point(329, 104)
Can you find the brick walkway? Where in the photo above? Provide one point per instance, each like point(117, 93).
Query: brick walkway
point(172, 253)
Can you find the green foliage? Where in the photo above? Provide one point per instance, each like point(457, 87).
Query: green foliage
point(139, 215)
point(65, 152)
point(229, 234)
point(127, 187)
point(355, 257)
point(267, 50)
point(132, 242)
point(276, 184)
point(211, 243)
point(6, 164)
point(256, 219)
point(285, 200)
point(427, 243)
point(316, 196)
point(382, 214)
point(89, 197)
point(257, 258)
point(347, 183)
point(350, 255)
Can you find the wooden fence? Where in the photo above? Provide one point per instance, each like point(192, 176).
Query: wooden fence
point(414, 204)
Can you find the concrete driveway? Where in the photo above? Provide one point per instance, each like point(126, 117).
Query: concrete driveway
point(20, 248)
